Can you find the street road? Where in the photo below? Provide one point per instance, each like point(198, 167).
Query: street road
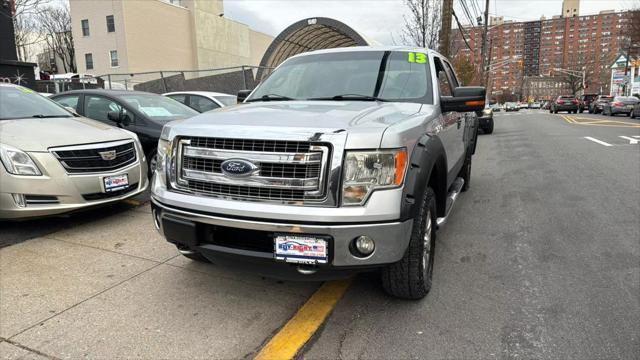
point(540, 259)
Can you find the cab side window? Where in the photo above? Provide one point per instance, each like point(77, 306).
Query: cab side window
point(444, 85)
point(452, 75)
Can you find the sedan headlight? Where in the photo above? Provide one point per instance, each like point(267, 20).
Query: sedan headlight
point(17, 162)
point(366, 171)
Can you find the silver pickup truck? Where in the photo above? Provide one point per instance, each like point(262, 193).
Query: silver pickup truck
point(341, 161)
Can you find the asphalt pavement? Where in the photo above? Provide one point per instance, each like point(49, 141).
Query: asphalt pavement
point(540, 259)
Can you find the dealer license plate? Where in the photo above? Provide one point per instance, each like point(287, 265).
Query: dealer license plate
point(301, 249)
point(115, 183)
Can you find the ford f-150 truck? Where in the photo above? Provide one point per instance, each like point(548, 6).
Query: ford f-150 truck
point(341, 161)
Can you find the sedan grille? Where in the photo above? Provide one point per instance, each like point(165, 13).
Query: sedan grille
point(285, 171)
point(96, 157)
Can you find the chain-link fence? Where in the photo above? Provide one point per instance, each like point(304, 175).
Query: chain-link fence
point(225, 80)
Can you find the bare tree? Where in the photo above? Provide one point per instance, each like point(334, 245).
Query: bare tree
point(422, 24)
point(25, 23)
point(55, 22)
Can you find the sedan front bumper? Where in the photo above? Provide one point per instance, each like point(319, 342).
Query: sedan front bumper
point(57, 192)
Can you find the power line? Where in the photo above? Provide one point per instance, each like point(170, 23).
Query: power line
point(466, 11)
point(461, 28)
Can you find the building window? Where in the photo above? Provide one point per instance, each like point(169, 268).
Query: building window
point(111, 26)
point(85, 27)
point(113, 55)
point(88, 61)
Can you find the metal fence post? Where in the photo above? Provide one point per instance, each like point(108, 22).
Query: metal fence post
point(109, 78)
point(164, 84)
point(244, 79)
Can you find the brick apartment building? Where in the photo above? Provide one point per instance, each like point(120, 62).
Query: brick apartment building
point(535, 48)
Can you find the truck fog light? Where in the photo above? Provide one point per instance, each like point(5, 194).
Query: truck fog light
point(362, 246)
point(19, 199)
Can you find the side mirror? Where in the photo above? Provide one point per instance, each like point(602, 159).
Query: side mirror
point(242, 95)
point(119, 117)
point(464, 99)
point(72, 110)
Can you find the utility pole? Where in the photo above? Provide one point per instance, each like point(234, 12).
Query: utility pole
point(445, 29)
point(626, 65)
point(483, 53)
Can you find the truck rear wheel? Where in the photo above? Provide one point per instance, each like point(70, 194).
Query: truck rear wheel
point(410, 278)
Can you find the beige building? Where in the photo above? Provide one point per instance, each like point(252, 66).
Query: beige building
point(570, 8)
point(116, 36)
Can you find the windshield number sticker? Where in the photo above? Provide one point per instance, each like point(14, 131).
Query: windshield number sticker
point(418, 58)
point(25, 90)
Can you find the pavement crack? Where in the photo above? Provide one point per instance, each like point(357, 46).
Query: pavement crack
point(26, 348)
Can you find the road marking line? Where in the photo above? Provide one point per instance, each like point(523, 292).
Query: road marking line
point(597, 141)
point(632, 141)
point(301, 327)
point(132, 202)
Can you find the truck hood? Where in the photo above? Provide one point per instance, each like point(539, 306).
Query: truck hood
point(266, 120)
point(41, 134)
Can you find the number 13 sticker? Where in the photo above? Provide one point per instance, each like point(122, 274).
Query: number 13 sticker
point(418, 58)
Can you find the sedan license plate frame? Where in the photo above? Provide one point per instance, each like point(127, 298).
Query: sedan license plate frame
point(115, 182)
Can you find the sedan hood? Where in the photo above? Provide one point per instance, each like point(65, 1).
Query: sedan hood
point(41, 134)
point(306, 118)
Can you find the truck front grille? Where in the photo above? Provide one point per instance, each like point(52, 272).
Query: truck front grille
point(286, 171)
point(96, 157)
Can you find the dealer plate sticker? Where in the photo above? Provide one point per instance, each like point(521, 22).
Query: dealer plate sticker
point(115, 183)
point(301, 249)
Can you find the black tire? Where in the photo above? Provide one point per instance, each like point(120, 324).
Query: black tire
point(555, 111)
point(590, 111)
point(611, 113)
point(152, 159)
point(633, 115)
point(550, 111)
point(581, 110)
point(411, 277)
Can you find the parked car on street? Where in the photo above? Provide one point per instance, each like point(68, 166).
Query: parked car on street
point(511, 106)
point(485, 120)
point(496, 107)
point(620, 105)
point(202, 101)
point(535, 105)
point(585, 101)
point(546, 105)
point(636, 111)
point(341, 161)
point(139, 112)
point(598, 103)
point(55, 162)
point(523, 105)
point(566, 103)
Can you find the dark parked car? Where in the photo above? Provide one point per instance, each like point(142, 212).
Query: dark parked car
point(596, 105)
point(620, 105)
point(139, 112)
point(485, 120)
point(636, 111)
point(585, 101)
point(566, 103)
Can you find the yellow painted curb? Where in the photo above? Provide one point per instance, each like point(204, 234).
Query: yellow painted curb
point(301, 327)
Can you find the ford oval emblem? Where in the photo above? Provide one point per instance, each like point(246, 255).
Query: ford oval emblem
point(238, 167)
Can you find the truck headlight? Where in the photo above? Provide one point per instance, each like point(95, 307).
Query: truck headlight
point(366, 171)
point(17, 162)
point(163, 149)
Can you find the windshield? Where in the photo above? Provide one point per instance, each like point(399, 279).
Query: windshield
point(227, 100)
point(26, 103)
point(390, 76)
point(158, 107)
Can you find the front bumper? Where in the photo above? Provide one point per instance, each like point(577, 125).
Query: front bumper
point(64, 192)
point(195, 230)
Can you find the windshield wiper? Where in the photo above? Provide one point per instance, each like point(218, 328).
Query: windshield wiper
point(271, 97)
point(40, 116)
point(350, 97)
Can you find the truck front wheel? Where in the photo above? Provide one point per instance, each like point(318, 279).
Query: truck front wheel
point(410, 278)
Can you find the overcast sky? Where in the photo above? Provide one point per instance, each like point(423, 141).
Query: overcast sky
point(382, 20)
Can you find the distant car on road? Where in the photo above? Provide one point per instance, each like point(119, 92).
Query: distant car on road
point(523, 105)
point(55, 162)
point(140, 112)
point(585, 101)
point(486, 120)
point(511, 106)
point(620, 105)
point(202, 101)
point(496, 107)
point(566, 103)
point(535, 105)
point(598, 103)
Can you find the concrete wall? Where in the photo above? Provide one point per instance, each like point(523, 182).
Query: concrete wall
point(229, 83)
point(158, 36)
point(99, 42)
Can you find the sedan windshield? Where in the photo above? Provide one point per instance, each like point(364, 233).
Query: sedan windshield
point(17, 102)
point(158, 107)
point(357, 75)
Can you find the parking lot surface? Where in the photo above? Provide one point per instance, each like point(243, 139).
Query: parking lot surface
point(540, 259)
